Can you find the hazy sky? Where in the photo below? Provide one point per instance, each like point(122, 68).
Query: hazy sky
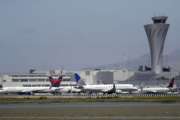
point(47, 34)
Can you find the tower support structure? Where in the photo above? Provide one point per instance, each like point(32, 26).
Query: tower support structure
point(156, 34)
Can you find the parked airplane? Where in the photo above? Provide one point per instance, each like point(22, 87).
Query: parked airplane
point(169, 88)
point(107, 88)
point(22, 90)
point(56, 87)
point(33, 89)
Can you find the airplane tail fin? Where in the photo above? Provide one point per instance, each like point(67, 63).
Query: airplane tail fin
point(171, 83)
point(1, 86)
point(114, 88)
point(55, 82)
point(77, 77)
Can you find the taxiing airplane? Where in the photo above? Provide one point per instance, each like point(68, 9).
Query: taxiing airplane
point(169, 88)
point(108, 88)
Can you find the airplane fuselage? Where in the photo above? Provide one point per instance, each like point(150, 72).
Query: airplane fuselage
point(107, 87)
point(156, 90)
point(22, 89)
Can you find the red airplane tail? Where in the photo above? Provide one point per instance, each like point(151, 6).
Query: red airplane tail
point(171, 83)
point(55, 82)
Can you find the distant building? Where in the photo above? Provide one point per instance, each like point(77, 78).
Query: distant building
point(105, 76)
point(33, 80)
point(89, 76)
point(156, 34)
point(122, 75)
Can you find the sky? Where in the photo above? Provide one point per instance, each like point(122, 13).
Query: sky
point(75, 34)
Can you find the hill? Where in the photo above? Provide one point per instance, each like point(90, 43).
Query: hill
point(172, 60)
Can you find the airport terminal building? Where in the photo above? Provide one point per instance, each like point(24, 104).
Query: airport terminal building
point(34, 79)
point(151, 76)
point(92, 77)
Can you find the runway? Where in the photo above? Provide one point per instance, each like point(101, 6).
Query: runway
point(91, 111)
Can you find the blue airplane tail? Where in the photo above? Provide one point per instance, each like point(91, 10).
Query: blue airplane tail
point(77, 77)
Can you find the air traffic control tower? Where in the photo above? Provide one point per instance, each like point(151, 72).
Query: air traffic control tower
point(156, 34)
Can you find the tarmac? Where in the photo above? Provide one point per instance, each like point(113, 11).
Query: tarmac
point(70, 97)
point(91, 111)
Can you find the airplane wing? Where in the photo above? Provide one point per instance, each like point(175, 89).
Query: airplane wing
point(107, 90)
